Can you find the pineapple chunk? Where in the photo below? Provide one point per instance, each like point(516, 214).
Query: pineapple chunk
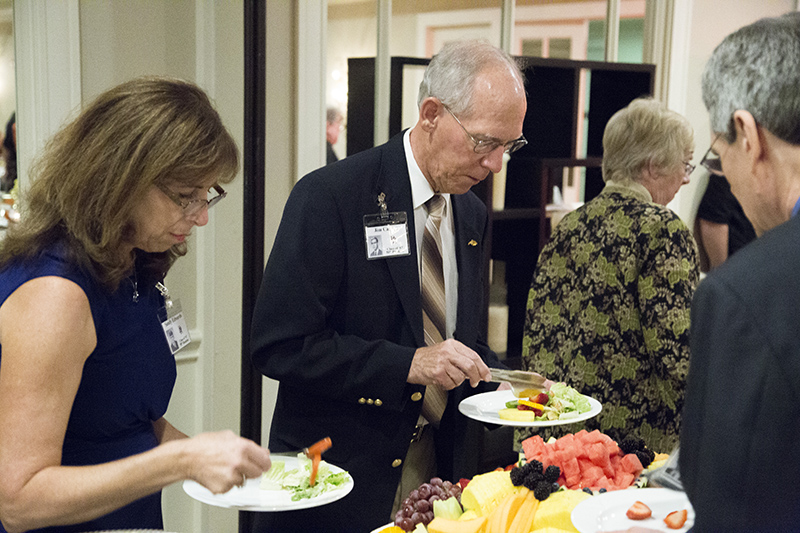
point(517, 415)
point(555, 511)
point(485, 492)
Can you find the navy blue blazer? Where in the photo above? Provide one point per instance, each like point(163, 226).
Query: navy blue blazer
point(739, 437)
point(339, 331)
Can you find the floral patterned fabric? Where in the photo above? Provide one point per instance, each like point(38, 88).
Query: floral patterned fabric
point(608, 313)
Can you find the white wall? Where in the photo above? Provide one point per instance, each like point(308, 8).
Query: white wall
point(711, 21)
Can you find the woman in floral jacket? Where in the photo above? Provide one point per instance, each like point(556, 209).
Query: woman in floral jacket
point(608, 309)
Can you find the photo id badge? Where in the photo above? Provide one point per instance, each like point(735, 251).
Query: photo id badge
point(386, 235)
point(173, 321)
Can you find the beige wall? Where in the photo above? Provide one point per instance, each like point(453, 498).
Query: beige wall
point(710, 24)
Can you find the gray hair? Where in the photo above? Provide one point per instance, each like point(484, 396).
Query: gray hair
point(644, 132)
point(757, 69)
point(332, 114)
point(451, 74)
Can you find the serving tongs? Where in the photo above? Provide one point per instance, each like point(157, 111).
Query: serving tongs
point(313, 452)
point(522, 383)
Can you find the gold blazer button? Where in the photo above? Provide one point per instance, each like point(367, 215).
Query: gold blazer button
point(417, 396)
point(396, 463)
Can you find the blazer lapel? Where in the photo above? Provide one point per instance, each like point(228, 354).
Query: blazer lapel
point(394, 183)
point(469, 257)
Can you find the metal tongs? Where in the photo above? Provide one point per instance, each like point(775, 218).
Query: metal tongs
point(522, 383)
point(313, 452)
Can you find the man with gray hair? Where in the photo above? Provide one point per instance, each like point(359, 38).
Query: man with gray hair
point(377, 351)
point(738, 457)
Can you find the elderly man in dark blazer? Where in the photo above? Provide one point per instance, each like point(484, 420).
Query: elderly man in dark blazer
point(344, 333)
point(741, 426)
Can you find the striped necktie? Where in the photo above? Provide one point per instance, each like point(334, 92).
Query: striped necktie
point(434, 308)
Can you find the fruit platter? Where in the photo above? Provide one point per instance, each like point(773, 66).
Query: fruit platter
point(576, 483)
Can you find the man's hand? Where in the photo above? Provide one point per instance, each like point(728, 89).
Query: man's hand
point(447, 364)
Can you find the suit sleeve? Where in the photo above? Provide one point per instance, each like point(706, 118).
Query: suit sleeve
point(295, 337)
point(736, 439)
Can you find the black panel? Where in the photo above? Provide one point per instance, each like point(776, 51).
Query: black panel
point(550, 120)
point(360, 104)
point(610, 91)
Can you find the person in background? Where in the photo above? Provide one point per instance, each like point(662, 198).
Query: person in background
point(608, 309)
point(334, 124)
point(738, 457)
point(363, 352)
point(86, 372)
point(10, 154)
point(721, 227)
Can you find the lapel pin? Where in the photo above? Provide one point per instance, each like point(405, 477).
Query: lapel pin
point(473, 242)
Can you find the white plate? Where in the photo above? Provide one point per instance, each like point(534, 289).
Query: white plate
point(606, 512)
point(484, 408)
point(250, 497)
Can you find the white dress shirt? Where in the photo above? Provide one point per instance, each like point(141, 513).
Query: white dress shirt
point(421, 192)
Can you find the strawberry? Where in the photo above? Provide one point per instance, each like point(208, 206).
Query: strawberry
point(639, 511)
point(463, 482)
point(676, 519)
point(541, 398)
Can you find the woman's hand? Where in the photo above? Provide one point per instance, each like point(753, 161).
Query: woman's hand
point(222, 460)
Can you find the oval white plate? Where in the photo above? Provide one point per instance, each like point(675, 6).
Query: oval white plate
point(485, 407)
point(606, 512)
point(250, 497)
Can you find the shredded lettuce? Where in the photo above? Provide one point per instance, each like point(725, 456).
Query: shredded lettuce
point(272, 478)
point(297, 481)
point(565, 403)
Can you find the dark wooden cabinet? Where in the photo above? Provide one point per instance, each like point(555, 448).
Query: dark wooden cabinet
point(567, 101)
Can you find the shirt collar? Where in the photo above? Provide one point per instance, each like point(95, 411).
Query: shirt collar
point(421, 190)
point(796, 208)
point(632, 188)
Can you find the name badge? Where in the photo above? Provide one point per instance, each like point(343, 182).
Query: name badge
point(173, 322)
point(386, 234)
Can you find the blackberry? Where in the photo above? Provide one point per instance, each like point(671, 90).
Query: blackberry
point(532, 480)
point(644, 458)
point(630, 444)
point(542, 490)
point(517, 476)
point(534, 466)
point(552, 473)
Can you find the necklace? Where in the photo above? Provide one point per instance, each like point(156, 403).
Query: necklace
point(135, 283)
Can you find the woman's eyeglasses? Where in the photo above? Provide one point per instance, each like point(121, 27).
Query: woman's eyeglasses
point(192, 207)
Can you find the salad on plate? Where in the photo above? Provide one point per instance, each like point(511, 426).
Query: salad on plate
point(297, 480)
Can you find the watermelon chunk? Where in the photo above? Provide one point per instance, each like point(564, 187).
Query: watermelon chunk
point(630, 463)
point(592, 476)
point(624, 479)
point(598, 454)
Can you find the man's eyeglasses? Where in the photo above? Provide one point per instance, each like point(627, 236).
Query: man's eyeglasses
point(192, 207)
point(485, 146)
point(711, 161)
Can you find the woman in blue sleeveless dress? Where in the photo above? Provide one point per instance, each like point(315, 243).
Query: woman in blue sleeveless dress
point(86, 371)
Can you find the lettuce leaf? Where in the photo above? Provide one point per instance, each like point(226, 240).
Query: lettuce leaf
point(297, 481)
